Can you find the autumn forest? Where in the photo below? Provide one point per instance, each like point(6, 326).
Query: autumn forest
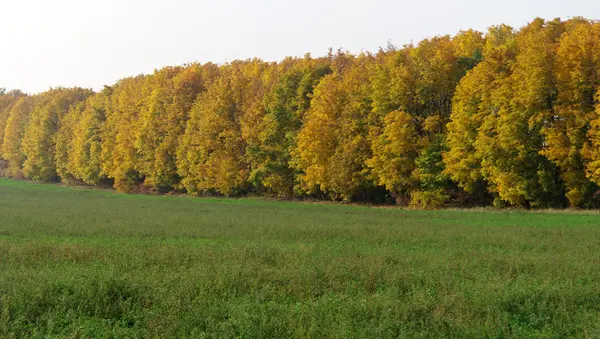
point(506, 118)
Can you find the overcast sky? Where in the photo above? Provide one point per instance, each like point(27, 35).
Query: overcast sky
point(90, 43)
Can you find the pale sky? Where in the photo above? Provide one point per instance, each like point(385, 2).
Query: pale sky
point(89, 43)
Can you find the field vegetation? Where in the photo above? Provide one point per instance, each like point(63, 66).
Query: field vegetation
point(93, 263)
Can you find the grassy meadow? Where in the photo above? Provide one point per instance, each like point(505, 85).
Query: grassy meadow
point(91, 263)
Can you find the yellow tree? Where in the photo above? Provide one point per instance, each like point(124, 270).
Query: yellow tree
point(85, 160)
point(393, 128)
point(412, 92)
point(171, 94)
point(468, 47)
point(591, 152)
point(15, 128)
point(333, 142)
point(439, 65)
point(39, 141)
point(155, 120)
point(64, 142)
point(119, 157)
point(212, 153)
point(566, 125)
point(510, 138)
point(395, 150)
point(285, 105)
point(7, 102)
point(471, 104)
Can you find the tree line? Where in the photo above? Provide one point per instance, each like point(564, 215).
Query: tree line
point(505, 118)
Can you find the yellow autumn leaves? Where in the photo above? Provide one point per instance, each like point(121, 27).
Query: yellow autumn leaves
point(509, 117)
point(523, 120)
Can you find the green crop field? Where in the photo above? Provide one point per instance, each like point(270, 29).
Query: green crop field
point(91, 263)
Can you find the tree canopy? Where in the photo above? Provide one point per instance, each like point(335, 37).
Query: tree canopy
point(509, 117)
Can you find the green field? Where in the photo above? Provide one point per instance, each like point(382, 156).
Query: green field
point(81, 263)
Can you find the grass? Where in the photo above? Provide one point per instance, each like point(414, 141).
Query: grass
point(89, 263)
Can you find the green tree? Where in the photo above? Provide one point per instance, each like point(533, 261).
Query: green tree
point(285, 106)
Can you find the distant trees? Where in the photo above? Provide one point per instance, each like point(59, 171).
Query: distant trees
point(570, 129)
point(12, 149)
point(40, 138)
point(521, 118)
point(509, 117)
point(64, 147)
point(332, 143)
point(212, 155)
point(285, 105)
point(170, 92)
point(85, 159)
point(120, 160)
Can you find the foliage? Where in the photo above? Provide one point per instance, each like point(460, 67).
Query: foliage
point(86, 157)
point(171, 93)
point(285, 107)
point(12, 150)
point(332, 143)
point(39, 141)
point(510, 116)
point(119, 156)
point(212, 154)
point(64, 145)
